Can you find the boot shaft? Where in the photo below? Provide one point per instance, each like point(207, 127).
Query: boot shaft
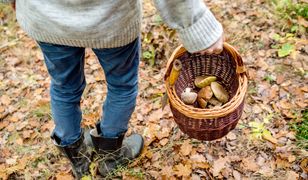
point(77, 153)
point(106, 145)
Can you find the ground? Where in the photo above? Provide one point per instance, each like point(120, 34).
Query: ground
point(269, 142)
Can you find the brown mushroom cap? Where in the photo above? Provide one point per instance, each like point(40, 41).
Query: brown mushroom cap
point(219, 92)
point(205, 93)
point(202, 102)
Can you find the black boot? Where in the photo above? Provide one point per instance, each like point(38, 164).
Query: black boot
point(77, 153)
point(115, 151)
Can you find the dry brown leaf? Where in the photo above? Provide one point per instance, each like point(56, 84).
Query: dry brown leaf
point(19, 141)
point(280, 79)
point(163, 141)
point(186, 148)
point(167, 171)
point(284, 104)
point(201, 165)
point(10, 127)
point(155, 116)
point(197, 158)
point(249, 164)
point(5, 100)
point(163, 133)
point(304, 164)
point(280, 163)
point(13, 119)
point(291, 158)
point(64, 176)
point(291, 175)
point(219, 165)
point(183, 170)
point(2, 109)
point(302, 21)
point(236, 175)
point(231, 136)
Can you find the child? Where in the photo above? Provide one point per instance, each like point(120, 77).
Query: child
point(64, 28)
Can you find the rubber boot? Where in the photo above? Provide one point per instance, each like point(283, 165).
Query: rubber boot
point(77, 153)
point(115, 151)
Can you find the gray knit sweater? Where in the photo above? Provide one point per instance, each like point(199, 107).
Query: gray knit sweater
point(113, 23)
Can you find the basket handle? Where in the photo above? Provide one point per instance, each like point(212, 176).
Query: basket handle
point(180, 50)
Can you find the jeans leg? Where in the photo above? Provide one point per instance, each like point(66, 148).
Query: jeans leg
point(121, 71)
point(66, 67)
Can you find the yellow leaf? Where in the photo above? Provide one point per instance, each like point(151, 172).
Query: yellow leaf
point(86, 178)
point(266, 135)
point(93, 168)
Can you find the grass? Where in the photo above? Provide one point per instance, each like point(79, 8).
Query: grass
point(301, 129)
point(291, 11)
point(42, 111)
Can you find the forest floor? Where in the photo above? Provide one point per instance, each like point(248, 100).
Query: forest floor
point(275, 52)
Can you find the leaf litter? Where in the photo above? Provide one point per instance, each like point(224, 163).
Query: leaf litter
point(262, 146)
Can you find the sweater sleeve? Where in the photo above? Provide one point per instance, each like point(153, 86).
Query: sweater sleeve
point(197, 27)
point(7, 1)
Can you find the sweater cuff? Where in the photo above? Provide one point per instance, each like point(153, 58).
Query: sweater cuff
point(7, 1)
point(202, 34)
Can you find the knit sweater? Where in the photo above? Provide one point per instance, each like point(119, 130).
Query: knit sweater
point(113, 23)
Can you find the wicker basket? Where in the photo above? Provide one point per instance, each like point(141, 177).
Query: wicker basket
point(208, 124)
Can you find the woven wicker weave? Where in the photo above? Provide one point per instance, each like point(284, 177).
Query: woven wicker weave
point(208, 124)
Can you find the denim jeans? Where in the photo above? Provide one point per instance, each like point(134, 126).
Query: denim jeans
point(65, 65)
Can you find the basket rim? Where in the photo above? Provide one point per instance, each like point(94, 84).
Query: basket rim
point(201, 114)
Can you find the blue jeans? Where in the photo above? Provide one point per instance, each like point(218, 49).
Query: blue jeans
point(65, 65)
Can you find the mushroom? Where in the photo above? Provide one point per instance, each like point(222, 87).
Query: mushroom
point(188, 97)
point(175, 71)
point(198, 79)
point(202, 103)
point(219, 92)
point(204, 95)
point(213, 101)
point(205, 82)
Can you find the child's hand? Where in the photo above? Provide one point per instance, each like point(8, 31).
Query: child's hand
point(216, 48)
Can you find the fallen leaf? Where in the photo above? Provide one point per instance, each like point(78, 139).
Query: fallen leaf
point(183, 170)
point(291, 175)
point(11, 161)
point(186, 148)
point(249, 164)
point(236, 175)
point(197, 158)
point(284, 104)
point(280, 163)
point(167, 171)
point(219, 165)
point(268, 136)
point(231, 136)
point(302, 21)
point(304, 164)
point(64, 176)
point(164, 133)
point(5, 100)
point(164, 141)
